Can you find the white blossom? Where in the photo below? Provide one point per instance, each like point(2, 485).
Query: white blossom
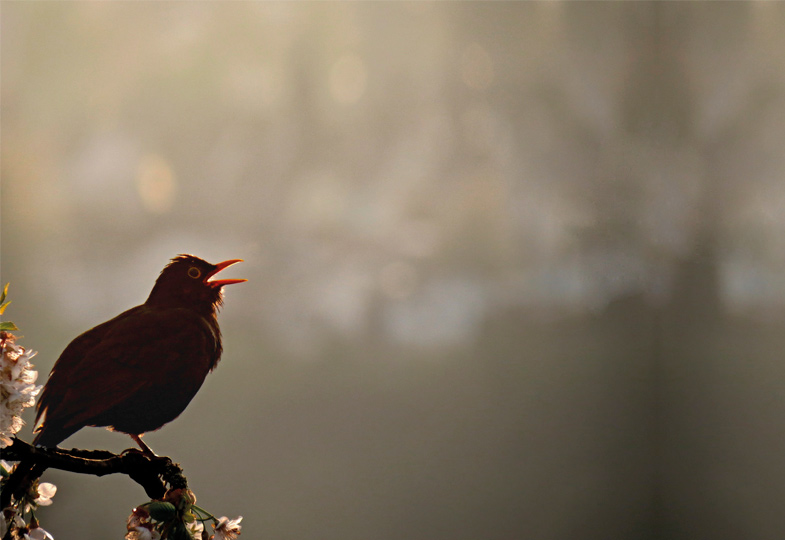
point(227, 529)
point(38, 534)
point(17, 386)
point(142, 533)
point(46, 491)
point(195, 528)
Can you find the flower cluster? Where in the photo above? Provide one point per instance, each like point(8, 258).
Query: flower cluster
point(17, 386)
point(38, 494)
point(17, 392)
point(176, 517)
point(17, 379)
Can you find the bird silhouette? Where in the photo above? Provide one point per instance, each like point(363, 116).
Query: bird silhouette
point(139, 370)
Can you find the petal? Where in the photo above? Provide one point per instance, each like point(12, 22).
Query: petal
point(38, 534)
point(47, 489)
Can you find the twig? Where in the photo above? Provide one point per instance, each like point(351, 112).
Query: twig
point(153, 473)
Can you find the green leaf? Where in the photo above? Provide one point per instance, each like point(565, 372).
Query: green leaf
point(179, 532)
point(161, 511)
point(3, 303)
point(7, 326)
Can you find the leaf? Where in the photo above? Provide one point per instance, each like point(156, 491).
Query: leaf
point(8, 326)
point(3, 303)
point(5, 326)
point(179, 532)
point(161, 511)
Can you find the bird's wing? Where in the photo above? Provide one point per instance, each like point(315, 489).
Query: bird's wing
point(140, 354)
point(69, 361)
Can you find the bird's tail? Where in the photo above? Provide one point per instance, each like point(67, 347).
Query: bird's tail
point(50, 437)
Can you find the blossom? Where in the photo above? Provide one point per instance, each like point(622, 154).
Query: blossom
point(17, 386)
point(195, 529)
point(39, 494)
point(45, 493)
point(37, 533)
point(227, 529)
point(138, 517)
point(142, 533)
point(140, 527)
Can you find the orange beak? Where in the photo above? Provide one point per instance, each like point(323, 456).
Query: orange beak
point(221, 282)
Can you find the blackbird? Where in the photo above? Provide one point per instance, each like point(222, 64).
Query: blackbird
point(139, 371)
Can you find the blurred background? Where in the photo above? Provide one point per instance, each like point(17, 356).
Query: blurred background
point(516, 270)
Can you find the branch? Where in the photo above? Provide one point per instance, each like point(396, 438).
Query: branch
point(153, 473)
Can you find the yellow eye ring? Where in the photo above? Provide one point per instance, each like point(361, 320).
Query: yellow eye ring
point(194, 272)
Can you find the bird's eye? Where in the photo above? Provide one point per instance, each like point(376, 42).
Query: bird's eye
point(194, 272)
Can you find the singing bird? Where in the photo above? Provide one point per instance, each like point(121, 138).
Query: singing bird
point(139, 371)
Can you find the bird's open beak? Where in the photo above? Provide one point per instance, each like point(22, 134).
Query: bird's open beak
point(221, 282)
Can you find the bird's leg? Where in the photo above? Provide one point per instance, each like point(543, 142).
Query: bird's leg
point(145, 449)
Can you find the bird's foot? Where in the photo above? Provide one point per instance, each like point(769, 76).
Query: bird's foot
point(146, 450)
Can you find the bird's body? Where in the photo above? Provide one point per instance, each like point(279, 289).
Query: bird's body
point(139, 370)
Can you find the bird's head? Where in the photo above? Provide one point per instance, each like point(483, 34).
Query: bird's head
point(185, 282)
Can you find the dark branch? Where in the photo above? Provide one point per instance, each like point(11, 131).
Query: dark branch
point(153, 473)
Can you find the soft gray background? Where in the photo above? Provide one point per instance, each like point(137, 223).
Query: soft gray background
point(516, 270)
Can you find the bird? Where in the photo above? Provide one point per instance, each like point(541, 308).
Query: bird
point(138, 371)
